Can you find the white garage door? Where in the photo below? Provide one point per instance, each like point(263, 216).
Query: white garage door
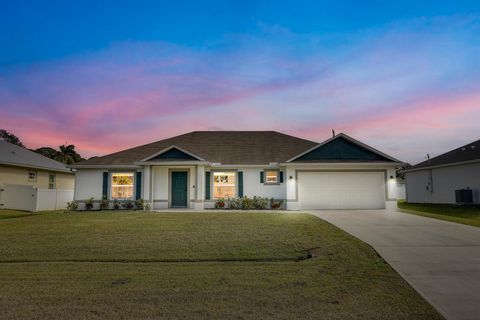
point(341, 190)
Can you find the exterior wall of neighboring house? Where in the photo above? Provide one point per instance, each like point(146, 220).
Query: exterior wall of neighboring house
point(442, 183)
point(21, 193)
point(19, 175)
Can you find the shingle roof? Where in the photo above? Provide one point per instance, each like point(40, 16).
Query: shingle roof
point(468, 152)
point(14, 155)
point(226, 147)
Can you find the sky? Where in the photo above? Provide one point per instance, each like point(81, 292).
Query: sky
point(401, 76)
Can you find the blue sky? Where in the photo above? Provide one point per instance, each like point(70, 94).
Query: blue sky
point(402, 76)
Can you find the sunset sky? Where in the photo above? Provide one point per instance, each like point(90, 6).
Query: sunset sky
point(404, 77)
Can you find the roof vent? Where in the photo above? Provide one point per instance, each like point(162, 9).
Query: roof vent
point(463, 149)
point(472, 147)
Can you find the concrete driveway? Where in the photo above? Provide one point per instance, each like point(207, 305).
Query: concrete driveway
point(441, 260)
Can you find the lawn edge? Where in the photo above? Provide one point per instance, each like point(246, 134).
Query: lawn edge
point(438, 216)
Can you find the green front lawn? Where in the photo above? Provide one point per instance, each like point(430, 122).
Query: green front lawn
point(454, 213)
point(134, 265)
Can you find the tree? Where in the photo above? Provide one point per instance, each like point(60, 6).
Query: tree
point(48, 152)
point(10, 137)
point(67, 154)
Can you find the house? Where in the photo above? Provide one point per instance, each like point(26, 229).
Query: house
point(30, 181)
point(194, 169)
point(436, 180)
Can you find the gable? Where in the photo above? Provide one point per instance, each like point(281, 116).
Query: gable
point(341, 149)
point(173, 154)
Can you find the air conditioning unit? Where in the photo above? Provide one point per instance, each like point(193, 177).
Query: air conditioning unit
point(464, 196)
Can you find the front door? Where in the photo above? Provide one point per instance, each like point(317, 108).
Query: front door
point(179, 189)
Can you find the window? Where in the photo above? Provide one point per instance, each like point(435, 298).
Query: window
point(32, 176)
point(271, 177)
point(224, 184)
point(122, 186)
point(51, 181)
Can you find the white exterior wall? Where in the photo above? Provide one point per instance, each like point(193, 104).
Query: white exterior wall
point(88, 183)
point(445, 181)
point(252, 185)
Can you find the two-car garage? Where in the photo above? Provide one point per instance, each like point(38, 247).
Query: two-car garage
point(341, 189)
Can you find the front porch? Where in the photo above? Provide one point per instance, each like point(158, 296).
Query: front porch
point(175, 186)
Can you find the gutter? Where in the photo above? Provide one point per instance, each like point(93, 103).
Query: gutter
point(37, 167)
point(87, 166)
point(442, 165)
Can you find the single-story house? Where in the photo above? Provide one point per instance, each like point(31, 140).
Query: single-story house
point(436, 180)
point(194, 169)
point(30, 181)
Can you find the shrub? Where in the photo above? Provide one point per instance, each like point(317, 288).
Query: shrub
point(139, 204)
point(246, 203)
point(128, 204)
point(72, 205)
point(104, 204)
point(220, 203)
point(275, 204)
point(234, 203)
point(146, 206)
point(116, 204)
point(89, 204)
point(260, 203)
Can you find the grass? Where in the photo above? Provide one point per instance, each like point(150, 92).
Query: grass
point(129, 265)
point(469, 215)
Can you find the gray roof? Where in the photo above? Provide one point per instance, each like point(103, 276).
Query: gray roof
point(14, 155)
point(468, 152)
point(226, 147)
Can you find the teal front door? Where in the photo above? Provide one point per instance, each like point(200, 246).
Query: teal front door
point(179, 189)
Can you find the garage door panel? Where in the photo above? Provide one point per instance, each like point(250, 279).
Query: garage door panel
point(341, 190)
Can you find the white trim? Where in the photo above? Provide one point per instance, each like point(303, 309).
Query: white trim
point(460, 163)
point(109, 166)
point(110, 185)
point(343, 135)
point(342, 164)
point(168, 149)
point(171, 163)
point(270, 166)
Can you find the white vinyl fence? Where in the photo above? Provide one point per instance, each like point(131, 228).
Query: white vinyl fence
point(28, 198)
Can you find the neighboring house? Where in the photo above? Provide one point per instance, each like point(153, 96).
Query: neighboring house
point(30, 181)
point(194, 169)
point(437, 179)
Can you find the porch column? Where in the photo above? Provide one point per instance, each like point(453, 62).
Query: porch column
point(292, 201)
point(146, 185)
point(199, 187)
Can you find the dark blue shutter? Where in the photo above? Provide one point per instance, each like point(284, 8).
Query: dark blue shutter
point(105, 186)
point(138, 187)
point(240, 184)
point(281, 176)
point(207, 185)
point(261, 177)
